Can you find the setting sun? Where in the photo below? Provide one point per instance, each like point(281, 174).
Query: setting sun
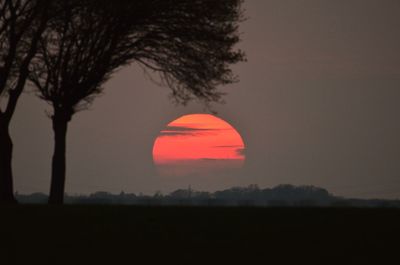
point(198, 139)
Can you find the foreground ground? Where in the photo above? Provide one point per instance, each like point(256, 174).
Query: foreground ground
point(197, 235)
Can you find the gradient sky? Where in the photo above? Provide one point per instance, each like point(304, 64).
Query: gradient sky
point(317, 104)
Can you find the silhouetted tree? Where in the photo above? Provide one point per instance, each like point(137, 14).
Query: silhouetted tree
point(188, 43)
point(21, 25)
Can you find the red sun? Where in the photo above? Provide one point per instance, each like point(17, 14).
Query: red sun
point(197, 143)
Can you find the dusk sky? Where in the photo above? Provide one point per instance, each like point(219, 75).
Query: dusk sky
point(317, 104)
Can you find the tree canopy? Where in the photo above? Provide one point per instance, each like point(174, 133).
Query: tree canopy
point(188, 43)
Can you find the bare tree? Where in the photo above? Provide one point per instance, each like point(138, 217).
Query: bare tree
point(21, 24)
point(189, 43)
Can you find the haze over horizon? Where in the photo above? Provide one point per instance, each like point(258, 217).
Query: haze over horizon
point(317, 104)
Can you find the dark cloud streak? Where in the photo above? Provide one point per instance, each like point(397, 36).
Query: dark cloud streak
point(187, 131)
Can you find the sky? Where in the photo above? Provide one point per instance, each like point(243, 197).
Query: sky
point(317, 104)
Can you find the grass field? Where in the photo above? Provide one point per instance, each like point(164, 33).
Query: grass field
point(197, 235)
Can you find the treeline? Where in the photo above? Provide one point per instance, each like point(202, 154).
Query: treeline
point(279, 196)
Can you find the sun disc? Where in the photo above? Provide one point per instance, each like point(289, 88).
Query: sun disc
point(198, 143)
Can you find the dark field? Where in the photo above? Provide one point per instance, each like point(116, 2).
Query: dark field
point(197, 235)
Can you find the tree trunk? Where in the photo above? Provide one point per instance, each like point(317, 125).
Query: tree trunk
point(60, 123)
point(6, 178)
